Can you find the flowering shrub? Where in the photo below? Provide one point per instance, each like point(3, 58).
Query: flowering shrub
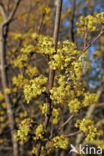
point(42, 120)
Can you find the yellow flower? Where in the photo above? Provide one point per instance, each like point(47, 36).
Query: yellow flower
point(35, 88)
point(87, 126)
point(39, 132)
point(43, 108)
point(74, 105)
point(60, 142)
point(1, 96)
point(8, 91)
point(23, 131)
point(4, 105)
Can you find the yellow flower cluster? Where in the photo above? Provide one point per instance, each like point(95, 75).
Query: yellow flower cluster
point(19, 81)
point(66, 53)
point(39, 132)
point(1, 96)
point(55, 114)
point(45, 45)
point(90, 23)
point(3, 105)
point(22, 115)
point(58, 142)
point(8, 91)
point(3, 121)
point(74, 105)
point(27, 49)
point(87, 126)
point(2, 118)
point(89, 98)
point(35, 87)
point(60, 95)
point(31, 71)
point(98, 143)
point(23, 131)
point(43, 108)
point(69, 91)
point(34, 151)
point(20, 61)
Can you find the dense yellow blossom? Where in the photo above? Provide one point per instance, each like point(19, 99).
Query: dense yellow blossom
point(66, 53)
point(39, 132)
point(90, 23)
point(19, 62)
point(58, 142)
point(23, 131)
point(90, 98)
point(55, 114)
point(31, 71)
point(87, 126)
point(44, 108)
point(19, 81)
point(74, 105)
point(35, 87)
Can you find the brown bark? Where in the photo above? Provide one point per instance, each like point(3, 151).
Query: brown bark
point(3, 42)
point(55, 40)
point(51, 71)
point(4, 86)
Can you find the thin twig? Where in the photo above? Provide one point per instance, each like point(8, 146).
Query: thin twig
point(72, 134)
point(89, 45)
point(3, 11)
point(12, 14)
point(66, 122)
point(100, 104)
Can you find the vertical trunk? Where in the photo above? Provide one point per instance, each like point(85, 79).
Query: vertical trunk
point(55, 39)
point(51, 71)
point(4, 86)
point(72, 21)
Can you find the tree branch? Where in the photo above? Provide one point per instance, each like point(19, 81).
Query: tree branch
point(55, 40)
point(72, 20)
point(3, 11)
point(89, 45)
point(72, 134)
point(3, 46)
point(12, 14)
point(66, 122)
point(52, 72)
